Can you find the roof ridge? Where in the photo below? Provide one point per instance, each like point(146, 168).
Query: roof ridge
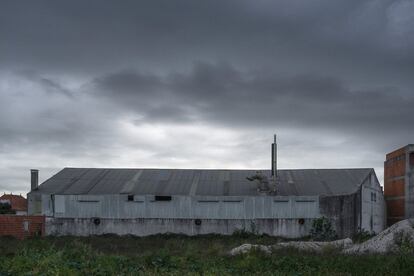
point(215, 169)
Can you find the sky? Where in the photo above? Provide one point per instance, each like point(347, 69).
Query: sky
point(203, 84)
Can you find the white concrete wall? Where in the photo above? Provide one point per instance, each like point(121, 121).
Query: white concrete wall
point(372, 205)
point(186, 207)
point(289, 228)
point(39, 204)
point(21, 213)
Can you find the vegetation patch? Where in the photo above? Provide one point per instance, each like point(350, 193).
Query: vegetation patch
point(361, 236)
point(182, 255)
point(322, 230)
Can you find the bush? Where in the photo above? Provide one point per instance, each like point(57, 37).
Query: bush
point(361, 236)
point(404, 242)
point(322, 230)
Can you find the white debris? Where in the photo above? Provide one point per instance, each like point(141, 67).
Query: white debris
point(315, 246)
point(385, 241)
point(300, 245)
point(245, 248)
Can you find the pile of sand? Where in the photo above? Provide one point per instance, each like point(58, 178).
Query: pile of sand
point(386, 241)
point(312, 246)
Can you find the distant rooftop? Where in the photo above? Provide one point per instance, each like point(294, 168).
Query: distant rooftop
point(399, 151)
point(17, 202)
point(200, 182)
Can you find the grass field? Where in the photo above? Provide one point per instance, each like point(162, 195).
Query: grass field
point(181, 255)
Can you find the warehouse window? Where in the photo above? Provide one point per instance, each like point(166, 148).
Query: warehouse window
point(162, 198)
point(130, 197)
point(374, 197)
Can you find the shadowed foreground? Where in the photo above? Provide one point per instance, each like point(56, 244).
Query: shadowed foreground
point(174, 254)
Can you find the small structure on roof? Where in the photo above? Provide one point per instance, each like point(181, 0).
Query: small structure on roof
point(85, 201)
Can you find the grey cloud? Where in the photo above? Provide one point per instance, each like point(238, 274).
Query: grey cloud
point(48, 85)
point(87, 82)
point(224, 95)
point(80, 37)
point(129, 82)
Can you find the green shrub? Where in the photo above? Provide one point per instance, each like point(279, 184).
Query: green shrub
point(404, 242)
point(322, 230)
point(361, 236)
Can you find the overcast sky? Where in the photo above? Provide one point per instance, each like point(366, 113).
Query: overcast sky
point(202, 84)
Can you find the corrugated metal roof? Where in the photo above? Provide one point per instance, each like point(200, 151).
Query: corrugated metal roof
point(200, 182)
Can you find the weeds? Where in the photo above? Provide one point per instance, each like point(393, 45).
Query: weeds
point(362, 235)
point(404, 242)
point(180, 255)
point(322, 230)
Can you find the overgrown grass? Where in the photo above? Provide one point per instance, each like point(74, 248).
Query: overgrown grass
point(181, 255)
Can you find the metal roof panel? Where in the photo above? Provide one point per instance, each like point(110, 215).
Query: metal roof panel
point(201, 182)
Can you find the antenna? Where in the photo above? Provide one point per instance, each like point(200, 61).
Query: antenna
point(274, 163)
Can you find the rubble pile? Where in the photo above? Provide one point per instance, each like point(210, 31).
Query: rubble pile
point(388, 241)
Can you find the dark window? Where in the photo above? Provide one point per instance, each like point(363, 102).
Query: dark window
point(130, 197)
point(412, 159)
point(162, 198)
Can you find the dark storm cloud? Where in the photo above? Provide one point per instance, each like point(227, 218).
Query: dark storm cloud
point(79, 36)
point(224, 95)
point(88, 82)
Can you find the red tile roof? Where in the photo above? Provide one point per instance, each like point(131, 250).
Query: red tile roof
point(17, 202)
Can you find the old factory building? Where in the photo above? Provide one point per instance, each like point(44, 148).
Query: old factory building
point(399, 184)
point(82, 201)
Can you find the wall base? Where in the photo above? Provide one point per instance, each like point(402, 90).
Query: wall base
point(289, 228)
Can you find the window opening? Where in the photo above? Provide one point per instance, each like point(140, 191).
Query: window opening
point(162, 198)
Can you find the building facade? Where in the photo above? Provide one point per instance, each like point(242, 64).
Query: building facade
point(399, 184)
point(79, 201)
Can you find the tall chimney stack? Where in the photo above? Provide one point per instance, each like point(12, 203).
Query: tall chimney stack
point(274, 159)
point(34, 179)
